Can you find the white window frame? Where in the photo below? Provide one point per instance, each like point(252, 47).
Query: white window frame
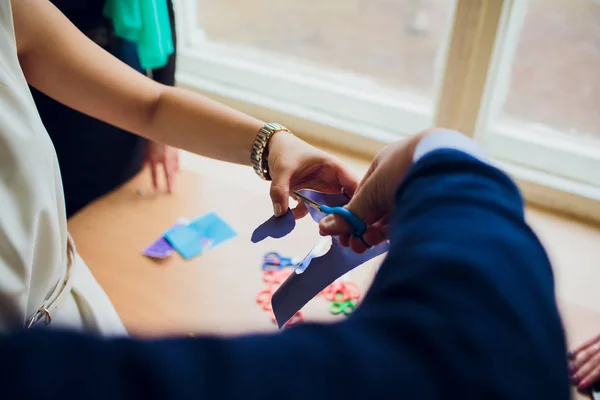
point(522, 143)
point(552, 171)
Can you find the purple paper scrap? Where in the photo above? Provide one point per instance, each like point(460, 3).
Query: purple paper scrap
point(161, 248)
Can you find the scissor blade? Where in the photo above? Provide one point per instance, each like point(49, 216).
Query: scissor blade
point(308, 201)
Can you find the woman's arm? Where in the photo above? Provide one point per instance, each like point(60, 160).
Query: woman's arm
point(61, 62)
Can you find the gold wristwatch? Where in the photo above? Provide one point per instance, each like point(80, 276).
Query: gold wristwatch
point(260, 150)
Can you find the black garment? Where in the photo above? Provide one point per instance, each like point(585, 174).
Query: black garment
point(95, 157)
point(85, 14)
point(462, 308)
point(166, 74)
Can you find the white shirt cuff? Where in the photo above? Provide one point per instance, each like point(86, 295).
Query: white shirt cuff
point(449, 140)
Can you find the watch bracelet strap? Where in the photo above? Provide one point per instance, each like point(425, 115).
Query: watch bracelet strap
point(260, 149)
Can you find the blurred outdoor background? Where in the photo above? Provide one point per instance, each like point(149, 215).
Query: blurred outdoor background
point(556, 75)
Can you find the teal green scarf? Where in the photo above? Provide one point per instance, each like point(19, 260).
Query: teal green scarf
point(145, 23)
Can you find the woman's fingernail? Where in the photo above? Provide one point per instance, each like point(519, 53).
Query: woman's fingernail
point(277, 210)
point(570, 355)
point(583, 385)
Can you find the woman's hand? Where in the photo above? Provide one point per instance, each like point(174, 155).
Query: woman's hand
point(160, 154)
point(294, 165)
point(584, 363)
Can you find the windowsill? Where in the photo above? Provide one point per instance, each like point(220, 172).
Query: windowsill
point(312, 125)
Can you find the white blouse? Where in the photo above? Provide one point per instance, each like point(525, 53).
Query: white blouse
point(33, 226)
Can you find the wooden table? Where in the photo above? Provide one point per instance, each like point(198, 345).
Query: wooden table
point(212, 293)
point(215, 292)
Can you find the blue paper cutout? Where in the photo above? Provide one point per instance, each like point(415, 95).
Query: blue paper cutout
point(302, 286)
point(275, 227)
point(200, 235)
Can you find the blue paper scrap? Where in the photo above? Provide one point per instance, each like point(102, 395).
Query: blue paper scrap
point(275, 227)
point(307, 281)
point(200, 235)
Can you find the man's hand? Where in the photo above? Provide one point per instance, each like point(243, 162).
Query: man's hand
point(374, 197)
point(161, 154)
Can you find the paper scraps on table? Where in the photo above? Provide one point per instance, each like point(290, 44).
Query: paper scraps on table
point(200, 235)
point(161, 248)
point(275, 227)
point(307, 282)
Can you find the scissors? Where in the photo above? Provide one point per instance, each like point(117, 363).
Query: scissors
point(264, 298)
point(276, 276)
point(275, 260)
point(341, 291)
point(358, 225)
point(296, 319)
point(342, 307)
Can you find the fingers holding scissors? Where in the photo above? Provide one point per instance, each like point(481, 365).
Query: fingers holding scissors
point(374, 234)
point(353, 225)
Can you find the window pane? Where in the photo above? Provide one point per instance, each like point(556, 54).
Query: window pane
point(393, 42)
point(556, 75)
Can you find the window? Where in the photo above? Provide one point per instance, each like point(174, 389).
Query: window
point(555, 79)
point(519, 75)
point(547, 97)
point(374, 62)
point(393, 43)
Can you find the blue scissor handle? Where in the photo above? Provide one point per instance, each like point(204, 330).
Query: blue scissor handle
point(274, 260)
point(358, 225)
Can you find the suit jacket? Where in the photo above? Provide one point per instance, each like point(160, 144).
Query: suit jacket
point(462, 308)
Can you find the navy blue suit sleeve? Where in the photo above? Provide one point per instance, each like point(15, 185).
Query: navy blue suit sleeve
point(462, 308)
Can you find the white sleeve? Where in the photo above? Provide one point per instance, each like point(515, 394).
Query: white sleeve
point(448, 139)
